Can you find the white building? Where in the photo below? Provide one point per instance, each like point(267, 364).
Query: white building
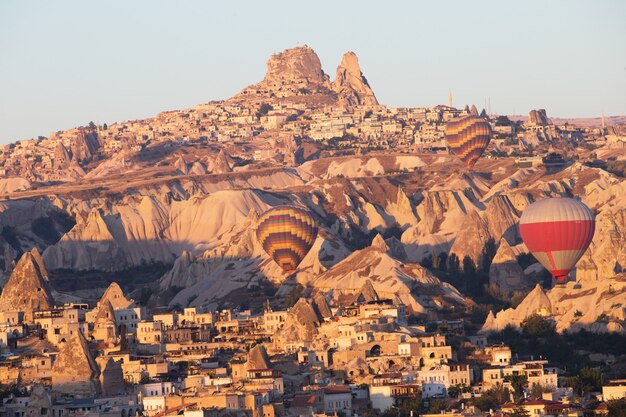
point(614, 390)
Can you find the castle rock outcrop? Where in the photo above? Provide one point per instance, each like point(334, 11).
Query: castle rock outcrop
point(350, 85)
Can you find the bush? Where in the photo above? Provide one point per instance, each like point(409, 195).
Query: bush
point(617, 408)
point(503, 121)
point(263, 110)
point(294, 295)
point(519, 383)
point(537, 326)
point(491, 399)
point(617, 168)
point(602, 318)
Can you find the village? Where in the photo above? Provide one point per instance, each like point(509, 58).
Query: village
point(360, 357)
point(251, 131)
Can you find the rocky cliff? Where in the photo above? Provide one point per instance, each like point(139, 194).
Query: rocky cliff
point(390, 278)
point(505, 273)
point(74, 370)
point(350, 85)
point(596, 306)
point(301, 324)
point(27, 289)
point(296, 65)
point(538, 118)
point(296, 74)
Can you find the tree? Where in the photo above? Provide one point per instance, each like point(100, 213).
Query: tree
point(492, 399)
point(454, 391)
point(587, 380)
point(518, 297)
point(453, 263)
point(123, 340)
point(537, 326)
point(436, 262)
point(519, 411)
point(443, 258)
point(489, 252)
point(294, 295)
point(395, 230)
point(473, 280)
point(519, 383)
point(390, 412)
point(92, 125)
point(536, 391)
point(263, 110)
point(503, 121)
point(427, 262)
point(617, 408)
point(105, 126)
point(437, 406)
point(469, 268)
point(410, 404)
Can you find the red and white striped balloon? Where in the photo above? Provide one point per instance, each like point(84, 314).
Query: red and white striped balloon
point(557, 231)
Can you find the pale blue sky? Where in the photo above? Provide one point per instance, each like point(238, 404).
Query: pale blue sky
point(64, 63)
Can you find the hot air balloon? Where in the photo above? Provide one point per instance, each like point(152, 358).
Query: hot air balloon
point(286, 234)
point(468, 137)
point(557, 231)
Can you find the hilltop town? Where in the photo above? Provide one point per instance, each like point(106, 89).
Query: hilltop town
point(134, 283)
point(294, 114)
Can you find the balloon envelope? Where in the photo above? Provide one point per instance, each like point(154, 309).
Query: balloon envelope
point(468, 137)
point(287, 234)
point(557, 231)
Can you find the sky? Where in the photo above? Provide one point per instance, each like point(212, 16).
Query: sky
point(66, 63)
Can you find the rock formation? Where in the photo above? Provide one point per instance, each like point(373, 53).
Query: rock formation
point(505, 274)
point(321, 305)
point(27, 289)
point(84, 146)
point(111, 376)
point(536, 302)
point(181, 165)
point(301, 323)
point(38, 400)
point(350, 85)
point(105, 328)
point(471, 239)
point(366, 294)
point(197, 168)
point(74, 370)
point(595, 306)
point(538, 118)
point(296, 74)
point(222, 163)
point(389, 278)
point(151, 230)
point(299, 65)
point(115, 296)
point(62, 157)
point(258, 358)
point(502, 218)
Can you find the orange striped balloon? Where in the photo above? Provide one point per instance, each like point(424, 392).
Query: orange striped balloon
point(287, 233)
point(468, 137)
